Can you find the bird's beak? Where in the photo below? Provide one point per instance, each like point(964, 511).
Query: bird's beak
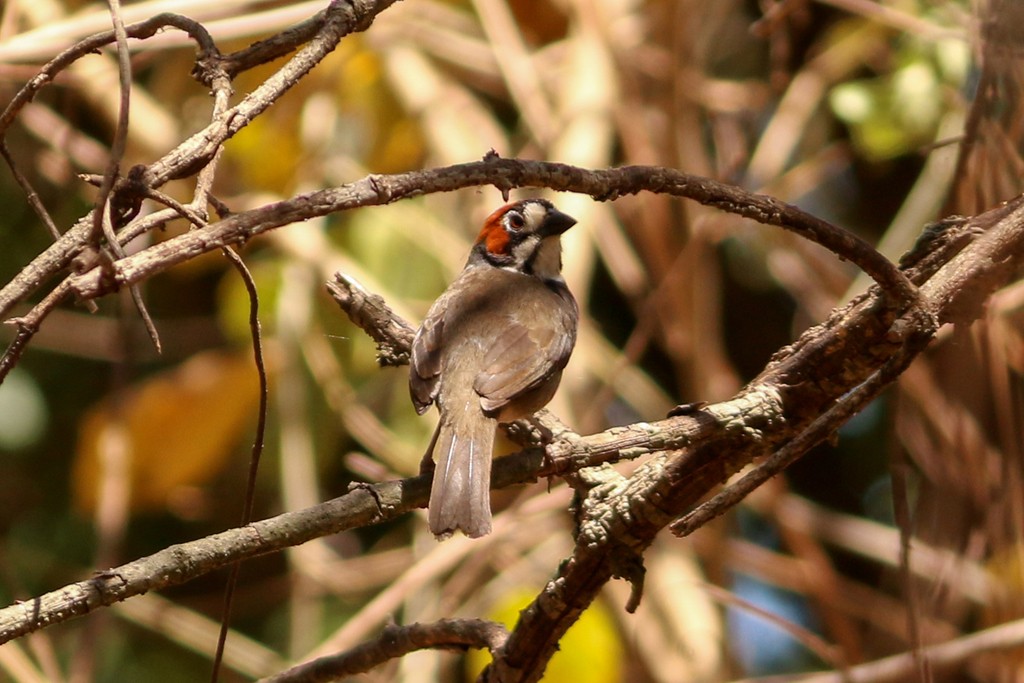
point(555, 223)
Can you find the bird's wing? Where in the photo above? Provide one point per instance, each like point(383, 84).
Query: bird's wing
point(425, 360)
point(522, 357)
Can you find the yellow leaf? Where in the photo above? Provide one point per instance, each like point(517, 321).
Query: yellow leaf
point(590, 651)
point(177, 430)
point(1005, 587)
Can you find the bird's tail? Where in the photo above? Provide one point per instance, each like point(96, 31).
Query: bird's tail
point(460, 496)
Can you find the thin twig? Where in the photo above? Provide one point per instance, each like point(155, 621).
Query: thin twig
point(257, 446)
point(901, 512)
point(31, 196)
point(395, 642)
point(102, 215)
point(275, 47)
point(102, 226)
point(220, 80)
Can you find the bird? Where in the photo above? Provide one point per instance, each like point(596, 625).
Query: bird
point(491, 350)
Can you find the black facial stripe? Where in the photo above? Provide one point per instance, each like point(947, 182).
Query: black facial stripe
point(480, 252)
point(523, 250)
point(528, 263)
point(516, 238)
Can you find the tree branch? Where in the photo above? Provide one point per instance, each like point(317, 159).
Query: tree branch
point(505, 174)
point(395, 642)
point(180, 563)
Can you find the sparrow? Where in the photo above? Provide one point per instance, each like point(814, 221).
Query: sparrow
point(491, 350)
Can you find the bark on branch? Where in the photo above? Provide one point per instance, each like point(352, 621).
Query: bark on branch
point(603, 185)
point(395, 642)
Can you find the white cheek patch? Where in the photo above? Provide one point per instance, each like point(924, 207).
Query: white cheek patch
point(547, 264)
point(522, 252)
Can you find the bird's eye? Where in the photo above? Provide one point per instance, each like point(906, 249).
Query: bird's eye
point(516, 221)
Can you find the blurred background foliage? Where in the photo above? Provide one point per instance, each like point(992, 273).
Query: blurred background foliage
point(849, 108)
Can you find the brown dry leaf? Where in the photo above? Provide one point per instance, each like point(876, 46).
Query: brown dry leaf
point(180, 428)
